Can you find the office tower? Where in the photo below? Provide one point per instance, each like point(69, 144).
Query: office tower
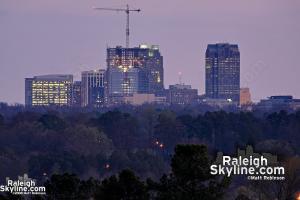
point(123, 81)
point(181, 94)
point(49, 90)
point(245, 96)
point(76, 94)
point(93, 88)
point(134, 70)
point(222, 72)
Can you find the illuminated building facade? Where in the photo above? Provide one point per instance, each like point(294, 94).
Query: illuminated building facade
point(49, 90)
point(93, 88)
point(124, 81)
point(222, 72)
point(134, 70)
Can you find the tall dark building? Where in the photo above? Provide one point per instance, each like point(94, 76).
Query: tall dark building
point(222, 72)
point(76, 94)
point(93, 88)
point(134, 70)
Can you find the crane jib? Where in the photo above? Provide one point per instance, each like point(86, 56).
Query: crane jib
point(127, 11)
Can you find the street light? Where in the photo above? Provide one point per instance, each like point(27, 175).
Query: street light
point(298, 196)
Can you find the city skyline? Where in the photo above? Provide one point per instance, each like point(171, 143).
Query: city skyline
point(41, 38)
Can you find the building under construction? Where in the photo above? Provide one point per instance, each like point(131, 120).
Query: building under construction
point(134, 70)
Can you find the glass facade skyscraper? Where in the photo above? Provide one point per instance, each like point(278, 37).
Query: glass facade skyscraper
point(222, 72)
point(93, 88)
point(134, 70)
point(124, 81)
point(49, 90)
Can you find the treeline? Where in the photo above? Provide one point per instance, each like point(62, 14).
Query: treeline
point(141, 139)
point(100, 144)
point(189, 179)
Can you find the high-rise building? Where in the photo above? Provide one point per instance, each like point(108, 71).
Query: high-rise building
point(93, 88)
point(49, 90)
point(123, 81)
point(134, 70)
point(181, 94)
point(222, 72)
point(76, 94)
point(245, 96)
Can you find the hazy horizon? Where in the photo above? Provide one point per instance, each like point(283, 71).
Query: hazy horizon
point(67, 37)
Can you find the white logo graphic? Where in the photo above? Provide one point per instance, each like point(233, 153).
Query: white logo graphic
point(253, 165)
point(22, 186)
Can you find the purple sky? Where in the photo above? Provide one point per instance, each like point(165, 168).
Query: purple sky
point(67, 36)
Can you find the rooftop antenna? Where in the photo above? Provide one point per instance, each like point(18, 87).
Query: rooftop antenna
point(180, 78)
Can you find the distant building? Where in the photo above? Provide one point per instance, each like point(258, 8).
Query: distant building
point(139, 99)
point(222, 72)
point(286, 102)
point(219, 103)
point(245, 96)
point(134, 70)
point(181, 94)
point(93, 88)
point(49, 90)
point(76, 94)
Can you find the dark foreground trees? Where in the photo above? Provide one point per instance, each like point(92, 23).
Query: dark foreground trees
point(43, 143)
point(141, 139)
point(125, 186)
point(189, 180)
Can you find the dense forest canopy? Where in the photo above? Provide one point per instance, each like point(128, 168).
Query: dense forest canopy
point(142, 140)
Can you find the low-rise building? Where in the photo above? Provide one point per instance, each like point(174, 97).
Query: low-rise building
point(280, 102)
point(245, 96)
point(49, 90)
point(181, 94)
point(219, 103)
point(139, 99)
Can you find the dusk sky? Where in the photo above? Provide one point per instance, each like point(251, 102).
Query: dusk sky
point(67, 36)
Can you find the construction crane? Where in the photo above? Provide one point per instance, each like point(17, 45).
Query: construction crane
point(127, 11)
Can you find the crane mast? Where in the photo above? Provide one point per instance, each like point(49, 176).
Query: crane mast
point(127, 11)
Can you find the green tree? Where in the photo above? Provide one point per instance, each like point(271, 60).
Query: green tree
point(52, 122)
point(122, 128)
point(9, 196)
point(169, 130)
point(148, 118)
point(126, 187)
point(242, 197)
point(190, 178)
point(63, 187)
point(87, 141)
